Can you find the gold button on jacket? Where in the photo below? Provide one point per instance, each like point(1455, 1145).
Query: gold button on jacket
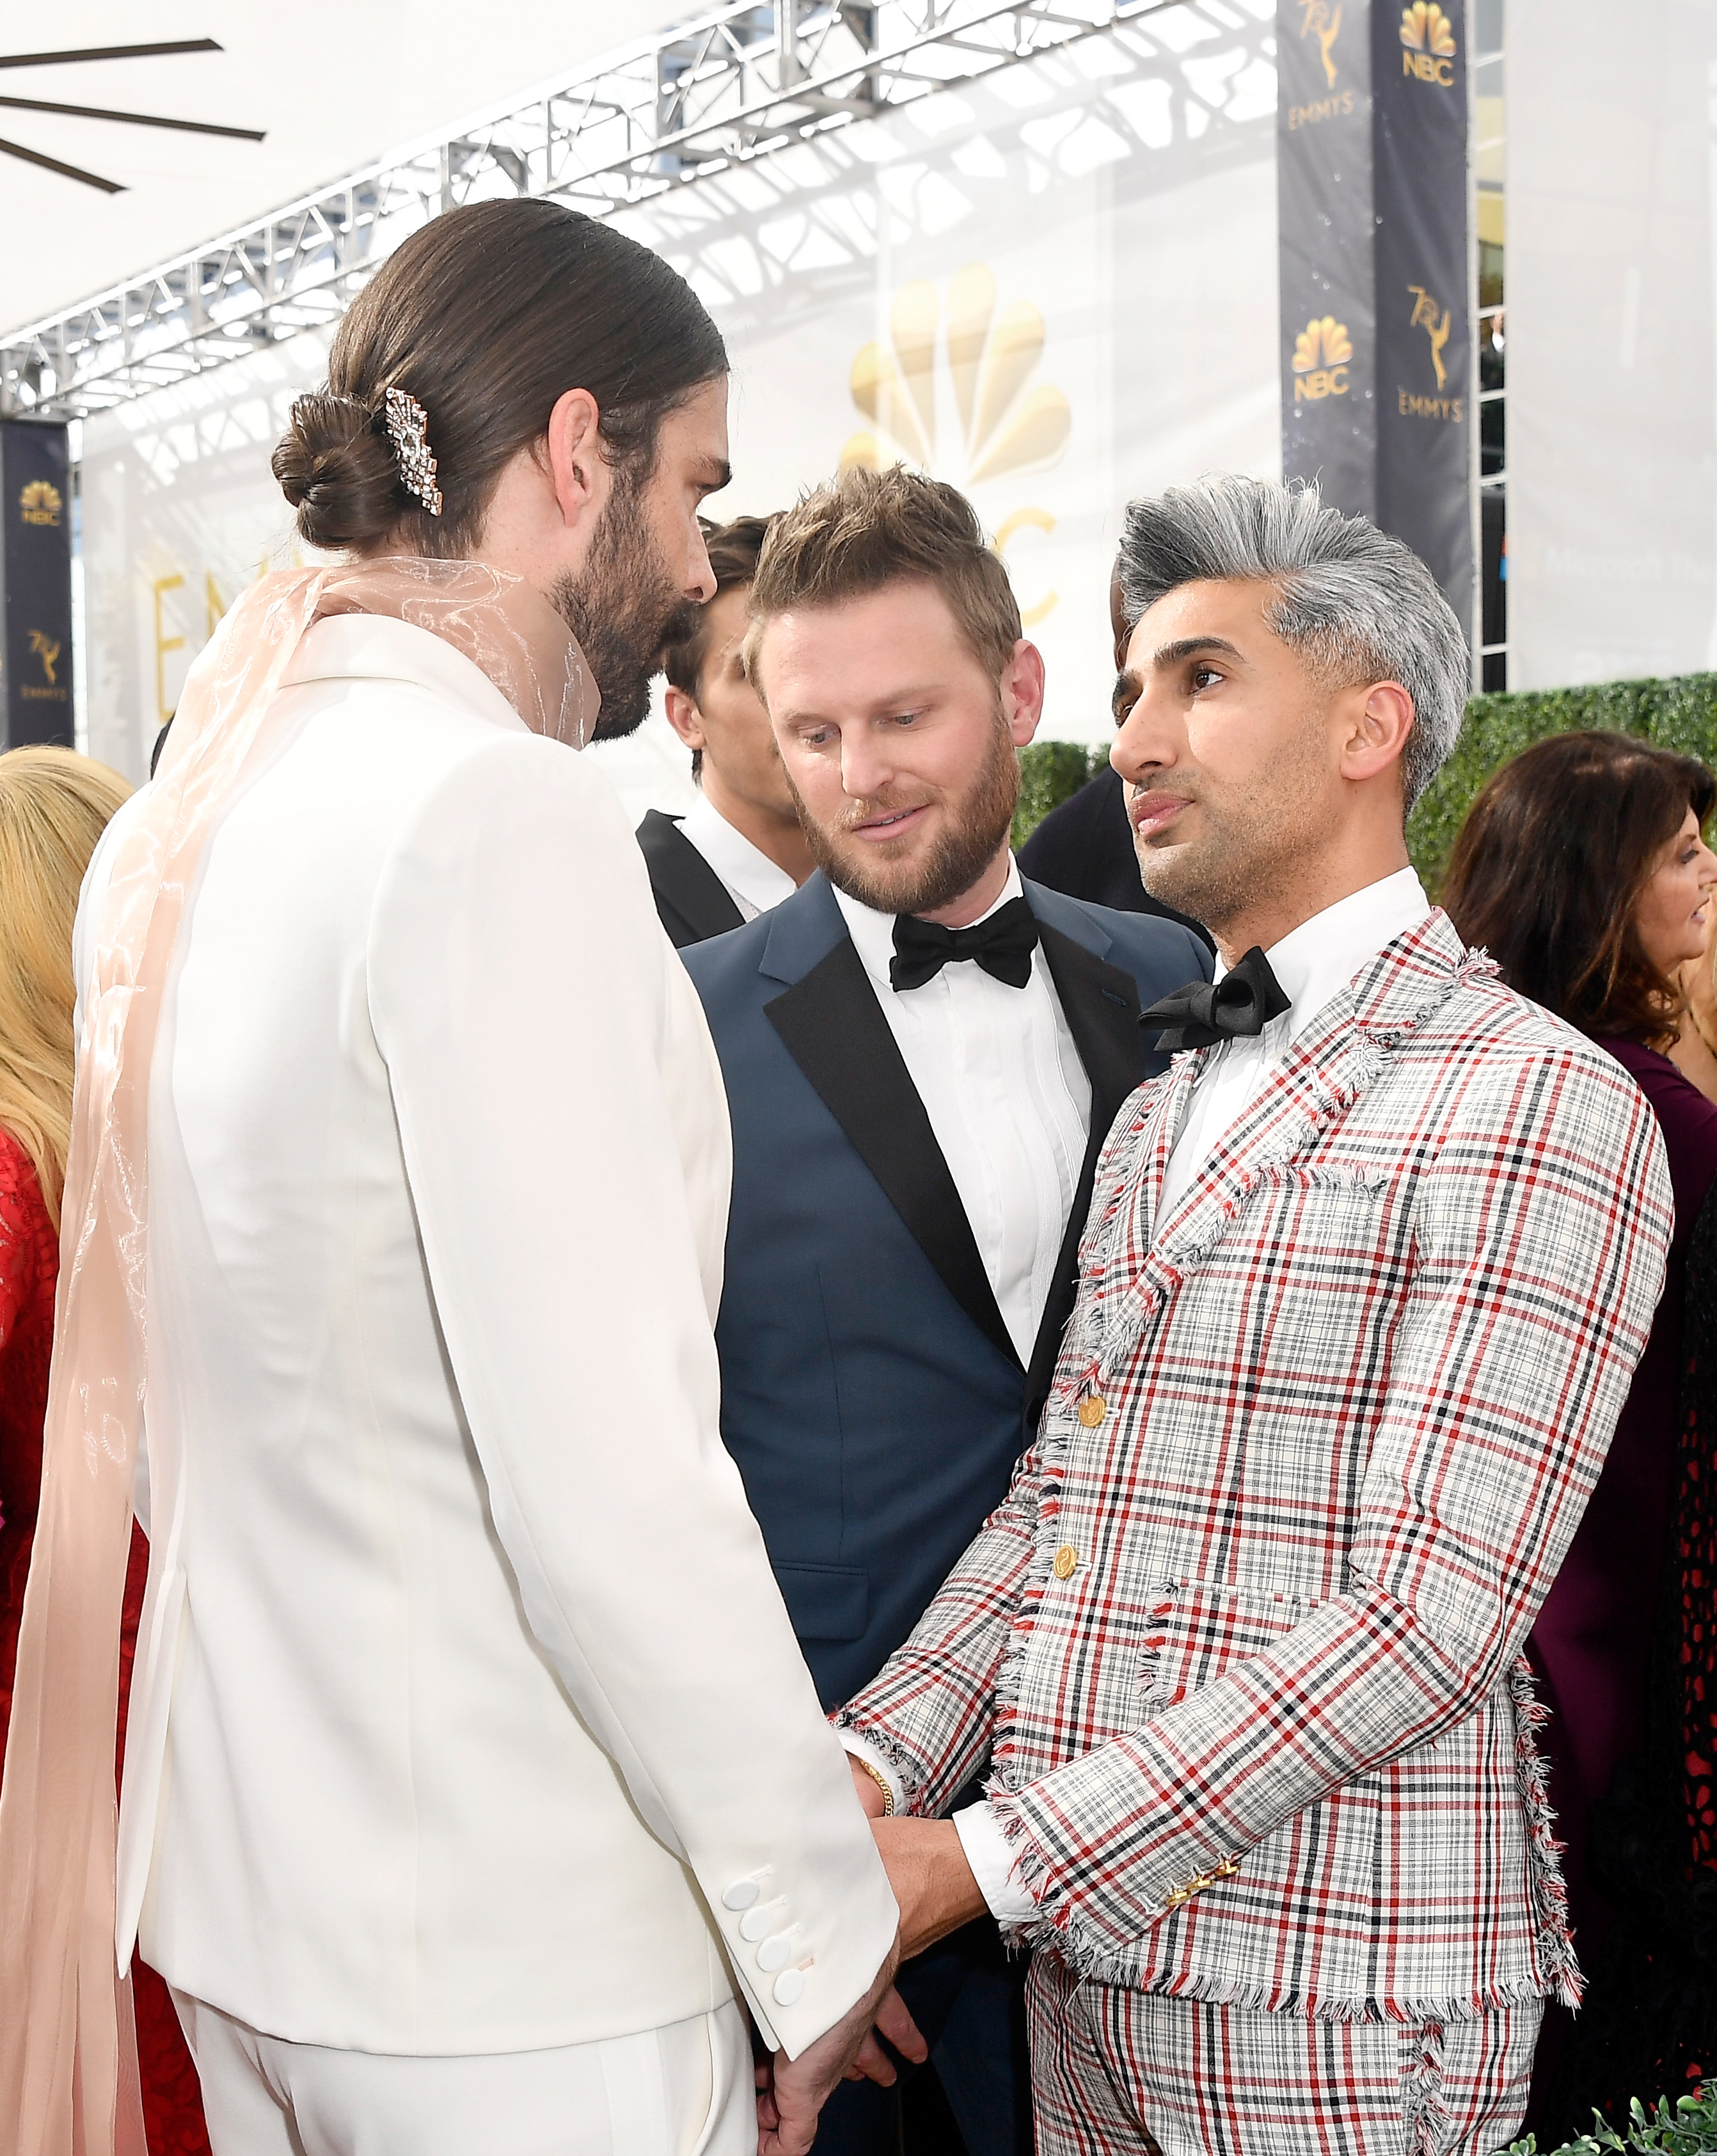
point(1092, 1409)
point(1066, 1557)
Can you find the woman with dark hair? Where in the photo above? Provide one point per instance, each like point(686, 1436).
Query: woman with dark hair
point(1582, 869)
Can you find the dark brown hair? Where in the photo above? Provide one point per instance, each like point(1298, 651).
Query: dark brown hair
point(487, 316)
point(1549, 868)
point(734, 549)
point(863, 530)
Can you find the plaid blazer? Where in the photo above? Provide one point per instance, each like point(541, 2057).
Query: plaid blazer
point(1243, 1640)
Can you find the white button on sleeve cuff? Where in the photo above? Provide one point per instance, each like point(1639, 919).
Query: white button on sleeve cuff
point(872, 1758)
point(992, 1860)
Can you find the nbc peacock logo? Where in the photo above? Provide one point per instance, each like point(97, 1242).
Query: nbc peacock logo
point(1427, 43)
point(1002, 422)
point(39, 503)
point(1322, 353)
point(952, 392)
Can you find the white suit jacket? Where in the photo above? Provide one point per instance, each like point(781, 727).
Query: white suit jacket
point(466, 1716)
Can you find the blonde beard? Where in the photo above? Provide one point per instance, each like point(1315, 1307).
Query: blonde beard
point(977, 828)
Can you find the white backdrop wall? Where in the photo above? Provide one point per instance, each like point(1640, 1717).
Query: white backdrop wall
point(1056, 290)
point(1612, 164)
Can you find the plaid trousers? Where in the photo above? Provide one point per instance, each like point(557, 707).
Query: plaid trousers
point(1122, 2073)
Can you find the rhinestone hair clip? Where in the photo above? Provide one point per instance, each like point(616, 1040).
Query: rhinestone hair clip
point(409, 429)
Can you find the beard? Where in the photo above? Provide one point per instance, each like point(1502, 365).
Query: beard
point(1255, 838)
point(623, 607)
point(892, 879)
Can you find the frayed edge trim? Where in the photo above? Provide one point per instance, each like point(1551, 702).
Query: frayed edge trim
point(907, 1765)
point(1424, 2112)
point(1544, 1852)
point(1096, 1968)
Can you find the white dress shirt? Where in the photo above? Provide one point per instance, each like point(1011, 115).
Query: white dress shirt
point(1312, 963)
point(1008, 1098)
point(750, 878)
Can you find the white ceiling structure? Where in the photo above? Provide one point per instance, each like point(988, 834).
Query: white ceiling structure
point(659, 116)
point(332, 84)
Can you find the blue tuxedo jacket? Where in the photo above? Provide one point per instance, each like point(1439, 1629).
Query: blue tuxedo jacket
point(869, 1390)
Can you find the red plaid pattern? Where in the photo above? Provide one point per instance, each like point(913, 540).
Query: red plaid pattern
point(1243, 1643)
point(1109, 2067)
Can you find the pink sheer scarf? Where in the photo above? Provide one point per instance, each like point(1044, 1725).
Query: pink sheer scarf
point(69, 2083)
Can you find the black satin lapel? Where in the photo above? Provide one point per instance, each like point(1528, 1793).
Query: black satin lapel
point(1100, 1003)
point(685, 883)
point(832, 1029)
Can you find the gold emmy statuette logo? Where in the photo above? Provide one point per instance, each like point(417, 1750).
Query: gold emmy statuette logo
point(1319, 19)
point(1428, 42)
point(1424, 318)
point(1322, 352)
point(1434, 320)
point(1003, 424)
point(39, 503)
point(47, 649)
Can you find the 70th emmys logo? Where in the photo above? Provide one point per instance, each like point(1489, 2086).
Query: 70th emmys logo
point(1434, 320)
point(1320, 19)
point(1427, 42)
point(45, 648)
point(39, 503)
point(1322, 352)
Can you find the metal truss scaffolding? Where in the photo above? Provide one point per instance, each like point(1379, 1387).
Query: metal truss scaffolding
point(686, 105)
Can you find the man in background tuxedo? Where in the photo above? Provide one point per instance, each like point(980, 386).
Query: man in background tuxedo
point(1085, 846)
point(923, 1055)
point(740, 850)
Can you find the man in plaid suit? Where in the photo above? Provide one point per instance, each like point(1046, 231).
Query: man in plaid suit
point(1362, 1287)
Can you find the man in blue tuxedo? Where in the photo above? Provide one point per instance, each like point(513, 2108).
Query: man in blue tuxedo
point(923, 1055)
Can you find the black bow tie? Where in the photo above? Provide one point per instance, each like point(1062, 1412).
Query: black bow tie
point(1243, 1003)
point(1002, 946)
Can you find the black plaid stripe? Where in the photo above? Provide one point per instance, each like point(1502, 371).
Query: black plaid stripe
point(1359, 1388)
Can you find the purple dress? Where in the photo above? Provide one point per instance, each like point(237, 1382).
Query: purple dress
point(1591, 1645)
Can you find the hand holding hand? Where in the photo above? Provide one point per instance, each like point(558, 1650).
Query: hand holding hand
point(894, 2021)
point(931, 1880)
point(790, 2093)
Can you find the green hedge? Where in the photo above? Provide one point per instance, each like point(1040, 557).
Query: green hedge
point(1679, 713)
point(1686, 2128)
point(1050, 773)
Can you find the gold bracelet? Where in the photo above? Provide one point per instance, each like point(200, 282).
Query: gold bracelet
point(881, 1780)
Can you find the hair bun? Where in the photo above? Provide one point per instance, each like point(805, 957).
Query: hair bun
point(336, 467)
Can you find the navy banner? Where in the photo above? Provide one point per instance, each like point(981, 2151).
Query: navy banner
point(1376, 314)
point(35, 583)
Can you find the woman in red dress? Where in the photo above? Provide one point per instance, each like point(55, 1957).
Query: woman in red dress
point(53, 805)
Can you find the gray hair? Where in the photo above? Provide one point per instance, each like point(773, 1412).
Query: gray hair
point(1362, 605)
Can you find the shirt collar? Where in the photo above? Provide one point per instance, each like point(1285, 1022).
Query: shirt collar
point(1319, 959)
point(746, 869)
point(872, 934)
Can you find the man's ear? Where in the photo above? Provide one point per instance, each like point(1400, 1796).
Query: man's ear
point(1377, 720)
point(579, 472)
point(1023, 691)
point(684, 717)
